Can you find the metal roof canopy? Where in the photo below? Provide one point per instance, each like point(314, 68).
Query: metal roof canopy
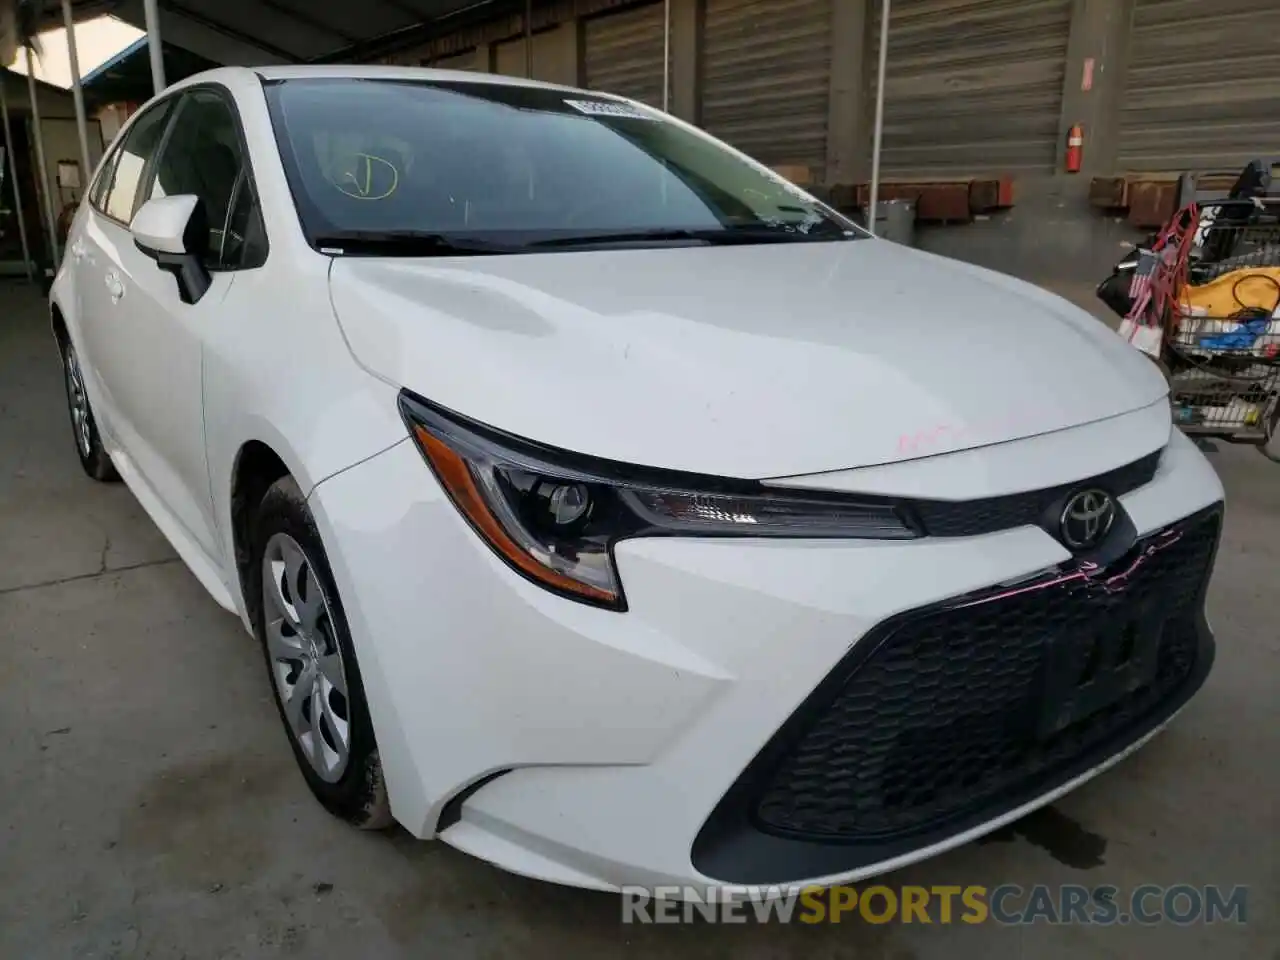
point(127, 75)
point(256, 32)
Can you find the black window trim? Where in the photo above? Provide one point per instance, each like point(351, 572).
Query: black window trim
point(242, 179)
point(146, 180)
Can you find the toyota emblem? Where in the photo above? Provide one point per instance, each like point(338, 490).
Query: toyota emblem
point(1087, 518)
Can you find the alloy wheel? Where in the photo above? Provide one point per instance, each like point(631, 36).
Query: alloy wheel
point(306, 659)
point(80, 419)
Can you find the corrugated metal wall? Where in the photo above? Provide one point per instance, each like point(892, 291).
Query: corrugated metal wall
point(554, 56)
point(1202, 85)
point(975, 86)
point(766, 74)
point(459, 61)
point(509, 57)
point(622, 53)
point(972, 86)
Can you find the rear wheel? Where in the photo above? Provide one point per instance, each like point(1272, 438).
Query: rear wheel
point(311, 662)
point(93, 456)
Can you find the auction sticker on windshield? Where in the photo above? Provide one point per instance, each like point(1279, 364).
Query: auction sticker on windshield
point(604, 108)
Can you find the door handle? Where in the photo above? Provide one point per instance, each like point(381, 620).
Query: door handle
point(115, 288)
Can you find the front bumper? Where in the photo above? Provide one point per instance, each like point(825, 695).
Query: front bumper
point(600, 749)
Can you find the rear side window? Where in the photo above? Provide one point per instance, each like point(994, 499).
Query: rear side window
point(103, 183)
point(121, 197)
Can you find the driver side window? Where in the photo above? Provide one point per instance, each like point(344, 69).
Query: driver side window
point(203, 156)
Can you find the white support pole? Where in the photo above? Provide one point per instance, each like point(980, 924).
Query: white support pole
point(77, 94)
point(37, 139)
point(13, 178)
point(151, 14)
point(879, 127)
point(666, 56)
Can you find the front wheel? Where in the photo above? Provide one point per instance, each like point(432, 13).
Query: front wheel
point(311, 662)
point(94, 458)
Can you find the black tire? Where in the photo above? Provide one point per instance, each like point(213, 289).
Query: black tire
point(359, 796)
point(94, 458)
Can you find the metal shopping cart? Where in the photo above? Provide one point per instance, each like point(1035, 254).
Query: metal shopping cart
point(1204, 302)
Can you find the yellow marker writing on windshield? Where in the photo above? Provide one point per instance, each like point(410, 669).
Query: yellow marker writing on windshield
point(361, 181)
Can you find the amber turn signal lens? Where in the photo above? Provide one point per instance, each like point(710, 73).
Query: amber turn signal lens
point(455, 476)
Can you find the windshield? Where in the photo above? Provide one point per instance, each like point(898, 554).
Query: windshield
point(490, 162)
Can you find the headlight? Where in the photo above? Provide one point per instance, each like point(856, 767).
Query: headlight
point(554, 516)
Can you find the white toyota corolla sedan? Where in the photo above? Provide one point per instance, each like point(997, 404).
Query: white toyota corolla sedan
point(610, 508)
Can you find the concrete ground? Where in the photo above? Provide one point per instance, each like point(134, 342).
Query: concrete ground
point(149, 806)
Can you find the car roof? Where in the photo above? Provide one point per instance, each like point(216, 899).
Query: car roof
point(379, 72)
point(234, 76)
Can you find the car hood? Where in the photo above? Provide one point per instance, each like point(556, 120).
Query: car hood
point(751, 361)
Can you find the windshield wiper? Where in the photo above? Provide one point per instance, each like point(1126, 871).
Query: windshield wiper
point(733, 234)
point(625, 236)
point(418, 243)
point(406, 243)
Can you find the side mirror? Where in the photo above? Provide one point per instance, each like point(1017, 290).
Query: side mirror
point(174, 232)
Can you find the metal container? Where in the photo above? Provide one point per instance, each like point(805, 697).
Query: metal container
point(895, 220)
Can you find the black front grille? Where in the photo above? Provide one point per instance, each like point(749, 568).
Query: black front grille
point(968, 518)
point(942, 718)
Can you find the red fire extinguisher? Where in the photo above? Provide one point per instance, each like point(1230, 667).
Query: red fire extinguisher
point(1075, 147)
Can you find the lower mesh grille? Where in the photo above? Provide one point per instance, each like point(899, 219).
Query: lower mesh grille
point(956, 709)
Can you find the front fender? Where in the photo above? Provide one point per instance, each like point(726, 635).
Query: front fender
point(277, 371)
